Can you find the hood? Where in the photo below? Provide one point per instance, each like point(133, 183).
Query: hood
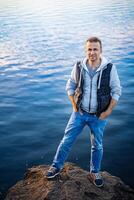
point(103, 64)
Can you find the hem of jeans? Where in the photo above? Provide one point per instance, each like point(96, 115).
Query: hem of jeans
point(57, 167)
point(94, 171)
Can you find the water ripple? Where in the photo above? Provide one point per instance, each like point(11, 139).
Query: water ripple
point(39, 43)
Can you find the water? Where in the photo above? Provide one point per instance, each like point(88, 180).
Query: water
point(39, 43)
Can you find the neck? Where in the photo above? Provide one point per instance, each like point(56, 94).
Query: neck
point(94, 64)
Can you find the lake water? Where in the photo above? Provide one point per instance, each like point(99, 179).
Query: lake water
point(39, 43)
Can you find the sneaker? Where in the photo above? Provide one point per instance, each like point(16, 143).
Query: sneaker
point(52, 172)
point(96, 179)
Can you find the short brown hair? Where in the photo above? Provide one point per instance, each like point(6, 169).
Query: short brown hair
point(94, 39)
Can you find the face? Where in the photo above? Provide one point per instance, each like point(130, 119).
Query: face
point(93, 51)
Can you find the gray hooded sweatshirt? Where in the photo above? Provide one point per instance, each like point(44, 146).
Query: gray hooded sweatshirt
point(89, 98)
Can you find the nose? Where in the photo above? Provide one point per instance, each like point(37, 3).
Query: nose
point(92, 52)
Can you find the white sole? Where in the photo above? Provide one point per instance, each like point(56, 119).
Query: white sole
point(53, 175)
point(98, 185)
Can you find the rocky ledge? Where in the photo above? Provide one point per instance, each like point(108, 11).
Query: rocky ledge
point(71, 184)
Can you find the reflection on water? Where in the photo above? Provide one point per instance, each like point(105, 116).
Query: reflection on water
point(40, 41)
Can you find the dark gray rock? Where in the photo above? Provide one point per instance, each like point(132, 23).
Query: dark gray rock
point(71, 184)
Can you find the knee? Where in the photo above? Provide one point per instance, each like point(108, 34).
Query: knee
point(65, 140)
point(98, 147)
point(96, 144)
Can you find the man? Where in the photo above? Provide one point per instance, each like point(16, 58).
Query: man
point(99, 88)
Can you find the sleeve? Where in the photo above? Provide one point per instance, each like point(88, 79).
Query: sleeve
point(115, 84)
point(72, 83)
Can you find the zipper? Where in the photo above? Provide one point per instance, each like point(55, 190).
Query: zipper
point(90, 94)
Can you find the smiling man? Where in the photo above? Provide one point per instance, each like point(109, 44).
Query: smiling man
point(93, 89)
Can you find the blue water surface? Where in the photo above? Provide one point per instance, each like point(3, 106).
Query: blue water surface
point(39, 43)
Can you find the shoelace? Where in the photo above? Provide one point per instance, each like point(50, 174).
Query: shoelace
point(97, 175)
point(52, 169)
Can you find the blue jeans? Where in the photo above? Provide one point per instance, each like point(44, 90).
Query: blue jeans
point(74, 127)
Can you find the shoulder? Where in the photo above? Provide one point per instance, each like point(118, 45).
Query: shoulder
point(109, 67)
point(79, 64)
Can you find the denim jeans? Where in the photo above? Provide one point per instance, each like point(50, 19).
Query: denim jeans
point(74, 127)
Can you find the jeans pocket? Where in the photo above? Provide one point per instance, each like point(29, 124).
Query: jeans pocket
point(102, 120)
point(75, 112)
